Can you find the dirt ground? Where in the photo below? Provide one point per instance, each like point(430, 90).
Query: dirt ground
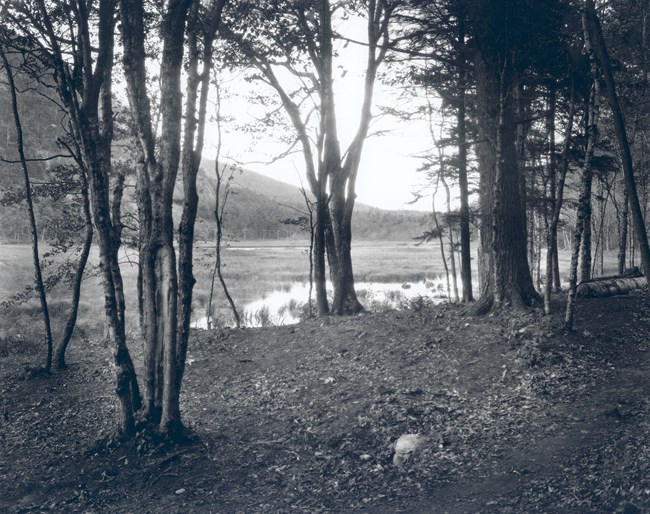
point(519, 417)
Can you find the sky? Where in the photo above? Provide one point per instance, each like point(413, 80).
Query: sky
point(388, 173)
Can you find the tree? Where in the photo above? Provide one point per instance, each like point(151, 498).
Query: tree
point(76, 40)
point(557, 198)
point(584, 201)
point(502, 35)
point(594, 33)
point(83, 70)
point(62, 180)
point(298, 38)
point(437, 31)
point(38, 274)
point(166, 290)
point(68, 331)
point(222, 191)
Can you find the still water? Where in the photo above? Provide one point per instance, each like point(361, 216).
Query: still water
point(288, 305)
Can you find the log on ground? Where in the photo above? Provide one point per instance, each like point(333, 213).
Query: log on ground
point(609, 286)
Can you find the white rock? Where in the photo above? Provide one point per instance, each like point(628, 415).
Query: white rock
point(406, 446)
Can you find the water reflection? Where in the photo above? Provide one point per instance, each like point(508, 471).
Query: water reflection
point(289, 305)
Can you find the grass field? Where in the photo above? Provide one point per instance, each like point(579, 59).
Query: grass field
point(261, 275)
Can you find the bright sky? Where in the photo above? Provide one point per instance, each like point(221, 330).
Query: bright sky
point(388, 172)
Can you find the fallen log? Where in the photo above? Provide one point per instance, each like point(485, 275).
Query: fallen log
point(609, 286)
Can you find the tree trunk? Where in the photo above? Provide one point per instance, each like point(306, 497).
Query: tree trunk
point(609, 286)
point(341, 177)
point(163, 354)
point(76, 285)
point(622, 237)
point(585, 242)
point(465, 245)
point(441, 240)
point(345, 298)
point(320, 249)
point(601, 242)
point(193, 139)
point(585, 192)
point(557, 195)
point(92, 134)
point(219, 209)
point(38, 275)
point(522, 108)
point(452, 256)
point(593, 31)
point(190, 162)
point(506, 278)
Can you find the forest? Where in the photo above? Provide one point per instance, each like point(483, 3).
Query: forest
point(489, 355)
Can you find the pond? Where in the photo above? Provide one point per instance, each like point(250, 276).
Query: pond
point(289, 305)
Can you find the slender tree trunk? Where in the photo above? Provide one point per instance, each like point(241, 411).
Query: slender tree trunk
point(601, 242)
point(556, 192)
point(549, 207)
point(221, 194)
point(441, 241)
point(320, 249)
point(189, 167)
point(465, 244)
point(622, 237)
point(593, 31)
point(194, 135)
point(38, 275)
point(219, 212)
point(311, 253)
point(222, 281)
point(452, 256)
point(585, 242)
point(583, 202)
point(76, 285)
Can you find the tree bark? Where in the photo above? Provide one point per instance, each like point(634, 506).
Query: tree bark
point(609, 286)
point(622, 237)
point(452, 256)
point(343, 179)
point(195, 118)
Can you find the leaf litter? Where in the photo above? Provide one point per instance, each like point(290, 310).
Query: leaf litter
point(517, 417)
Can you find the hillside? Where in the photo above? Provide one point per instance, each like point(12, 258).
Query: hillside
point(259, 203)
point(254, 211)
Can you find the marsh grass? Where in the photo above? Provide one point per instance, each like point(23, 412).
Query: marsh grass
point(254, 271)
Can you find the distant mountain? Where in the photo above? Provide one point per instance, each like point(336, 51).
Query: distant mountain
point(255, 210)
point(259, 203)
